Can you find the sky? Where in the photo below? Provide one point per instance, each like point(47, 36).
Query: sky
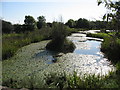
point(15, 11)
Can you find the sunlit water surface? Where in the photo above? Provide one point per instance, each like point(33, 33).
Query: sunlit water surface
point(86, 58)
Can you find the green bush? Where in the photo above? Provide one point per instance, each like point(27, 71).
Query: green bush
point(111, 48)
point(59, 42)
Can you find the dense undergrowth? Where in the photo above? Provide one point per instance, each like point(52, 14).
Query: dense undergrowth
point(12, 42)
point(71, 81)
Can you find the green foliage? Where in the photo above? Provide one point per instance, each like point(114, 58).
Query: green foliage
point(74, 81)
point(111, 47)
point(59, 42)
point(98, 35)
point(7, 27)
point(85, 24)
point(12, 42)
point(30, 23)
point(41, 22)
point(90, 81)
point(59, 31)
point(18, 28)
point(62, 80)
point(55, 80)
point(82, 23)
point(71, 23)
point(114, 13)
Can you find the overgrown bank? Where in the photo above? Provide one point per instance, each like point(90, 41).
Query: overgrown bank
point(12, 42)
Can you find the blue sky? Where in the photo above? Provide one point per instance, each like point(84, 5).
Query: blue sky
point(52, 10)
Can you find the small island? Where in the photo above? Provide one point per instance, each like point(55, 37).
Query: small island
point(59, 42)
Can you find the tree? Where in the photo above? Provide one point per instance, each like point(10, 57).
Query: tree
point(82, 23)
point(41, 22)
point(18, 28)
point(7, 27)
point(49, 24)
point(70, 23)
point(113, 14)
point(59, 42)
point(29, 23)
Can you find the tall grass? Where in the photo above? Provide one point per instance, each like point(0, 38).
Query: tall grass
point(63, 80)
point(12, 42)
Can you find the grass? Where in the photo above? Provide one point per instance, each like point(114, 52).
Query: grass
point(98, 35)
point(62, 80)
point(12, 42)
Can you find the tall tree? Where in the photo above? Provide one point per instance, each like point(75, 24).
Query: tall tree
point(41, 22)
point(18, 28)
point(70, 23)
point(29, 23)
point(82, 23)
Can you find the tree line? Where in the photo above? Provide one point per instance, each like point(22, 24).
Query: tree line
point(30, 24)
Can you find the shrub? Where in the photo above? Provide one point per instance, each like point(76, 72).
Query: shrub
point(59, 42)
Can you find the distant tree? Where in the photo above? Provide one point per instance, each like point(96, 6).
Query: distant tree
point(49, 24)
point(7, 27)
point(82, 23)
point(30, 23)
point(41, 22)
point(100, 24)
point(18, 28)
point(92, 25)
point(70, 23)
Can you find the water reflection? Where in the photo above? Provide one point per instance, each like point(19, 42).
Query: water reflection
point(46, 55)
point(93, 48)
